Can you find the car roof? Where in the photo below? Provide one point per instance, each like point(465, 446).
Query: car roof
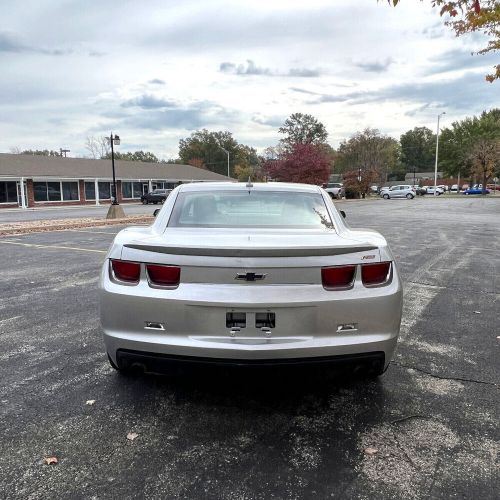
point(258, 186)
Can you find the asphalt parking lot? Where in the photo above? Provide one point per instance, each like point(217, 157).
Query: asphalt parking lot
point(433, 417)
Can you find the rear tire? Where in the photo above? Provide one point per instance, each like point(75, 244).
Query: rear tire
point(112, 363)
point(409, 196)
point(145, 202)
point(386, 196)
point(122, 371)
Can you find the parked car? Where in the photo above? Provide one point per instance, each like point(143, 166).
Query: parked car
point(444, 187)
point(430, 190)
point(399, 191)
point(476, 191)
point(243, 274)
point(156, 196)
point(335, 189)
point(420, 191)
point(454, 188)
point(493, 187)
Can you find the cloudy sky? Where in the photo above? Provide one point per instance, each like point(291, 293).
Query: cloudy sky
point(153, 71)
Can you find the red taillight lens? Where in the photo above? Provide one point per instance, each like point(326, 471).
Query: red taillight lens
point(126, 271)
point(338, 276)
point(163, 275)
point(375, 274)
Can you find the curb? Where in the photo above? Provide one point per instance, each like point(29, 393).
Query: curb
point(60, 225)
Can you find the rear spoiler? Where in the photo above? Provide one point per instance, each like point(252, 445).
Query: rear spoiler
point(254, 252)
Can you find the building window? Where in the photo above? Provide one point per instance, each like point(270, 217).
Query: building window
point(127, 189)
point(90, 191)
point(137, 189)
point(131, 189)
point(70, 191)
point(104, 190)
point(8, 192)
point(56, 191)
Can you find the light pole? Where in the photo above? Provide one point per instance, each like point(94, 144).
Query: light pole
point(114, 140)
point(227, 152)
point(115, 211)
point(437, 151)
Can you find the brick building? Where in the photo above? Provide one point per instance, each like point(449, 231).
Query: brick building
point(35, 181)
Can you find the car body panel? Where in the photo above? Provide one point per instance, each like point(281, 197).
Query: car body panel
point(193, 314)
point(398, 191)
point(335, 189)
point(156, 196)
point(476, 191)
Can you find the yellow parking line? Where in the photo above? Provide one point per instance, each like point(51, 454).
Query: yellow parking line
point(33, 245)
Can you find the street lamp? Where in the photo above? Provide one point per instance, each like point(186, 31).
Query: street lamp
point(437, 151)
point(227, 152)
point(115, 211)
point(114, 140)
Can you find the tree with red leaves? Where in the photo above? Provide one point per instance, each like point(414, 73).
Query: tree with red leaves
point(306, 163)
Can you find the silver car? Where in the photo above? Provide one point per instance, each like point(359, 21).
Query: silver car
point(399, 191)
point(249, 274)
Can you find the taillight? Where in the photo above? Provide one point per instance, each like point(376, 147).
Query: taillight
point(338, 276)
point(375, 274)
point(126, 271)
point(163, 275)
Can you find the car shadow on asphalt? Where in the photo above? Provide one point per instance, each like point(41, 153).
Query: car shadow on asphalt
point(272, 388)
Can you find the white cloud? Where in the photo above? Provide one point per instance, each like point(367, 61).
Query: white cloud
point(166, 68)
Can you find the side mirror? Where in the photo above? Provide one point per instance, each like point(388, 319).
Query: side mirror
point(156, 212)
point(342, 213)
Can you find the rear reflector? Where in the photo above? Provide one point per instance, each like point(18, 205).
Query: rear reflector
point(126, 271)
point(338, 276)
point(163, 275)
point(375, 274)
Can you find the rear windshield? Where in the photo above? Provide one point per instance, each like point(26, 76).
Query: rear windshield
point(279, 209)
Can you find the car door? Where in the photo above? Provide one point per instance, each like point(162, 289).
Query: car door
point(397, 192)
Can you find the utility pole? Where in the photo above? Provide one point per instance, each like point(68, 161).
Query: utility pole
point(437, 151)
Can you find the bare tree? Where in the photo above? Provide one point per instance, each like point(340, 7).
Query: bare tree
point(98, 147)
point(16, 150)
point(485, 158)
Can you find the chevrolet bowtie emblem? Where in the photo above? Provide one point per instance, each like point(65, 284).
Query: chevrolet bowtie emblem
point(249, 276)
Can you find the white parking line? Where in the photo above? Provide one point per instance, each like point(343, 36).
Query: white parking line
point(33, 245)
point(91, 232)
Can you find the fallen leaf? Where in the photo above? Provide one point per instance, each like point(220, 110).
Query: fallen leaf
point(132, 435)
point(370, 451)
point(50, 460)
point(90, 402)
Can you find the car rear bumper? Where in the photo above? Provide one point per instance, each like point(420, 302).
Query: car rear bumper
point(161, 363)
point(193, 318)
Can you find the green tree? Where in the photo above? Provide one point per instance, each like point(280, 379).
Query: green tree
point(208, 147)
point(418, 149)
point(370, 151)
point(458, 142)
point(302, 129)
point(144, 156)
point(35, 152)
